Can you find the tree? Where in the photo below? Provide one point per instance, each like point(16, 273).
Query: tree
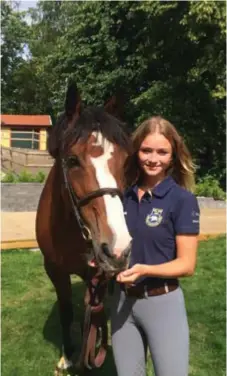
point(164, 58)
point(13, 36)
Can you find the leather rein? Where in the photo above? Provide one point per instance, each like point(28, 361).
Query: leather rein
point(95, 322)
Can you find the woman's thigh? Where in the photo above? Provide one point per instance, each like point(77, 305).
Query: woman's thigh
point(164, 320)
point(128, 342)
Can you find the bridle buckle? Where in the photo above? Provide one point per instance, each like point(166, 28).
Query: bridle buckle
point(145, 293)
point(86, 233)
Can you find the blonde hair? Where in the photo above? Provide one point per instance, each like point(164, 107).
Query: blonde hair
point(182, 168)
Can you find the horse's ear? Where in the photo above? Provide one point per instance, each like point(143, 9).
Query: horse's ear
point(72, 101)
point(115, 106)
point(110, 105)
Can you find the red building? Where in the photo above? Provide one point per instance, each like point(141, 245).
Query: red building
point(25, 131)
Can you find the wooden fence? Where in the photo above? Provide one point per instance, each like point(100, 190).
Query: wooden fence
point(17, 160)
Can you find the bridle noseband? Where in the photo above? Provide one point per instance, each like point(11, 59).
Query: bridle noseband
point(77, 202)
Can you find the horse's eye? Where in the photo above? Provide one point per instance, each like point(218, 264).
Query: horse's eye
point(73, 162)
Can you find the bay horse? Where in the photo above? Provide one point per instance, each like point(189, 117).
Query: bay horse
point(80, 224)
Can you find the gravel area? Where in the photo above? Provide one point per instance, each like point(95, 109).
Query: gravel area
point(20, 197)
point(25, 197)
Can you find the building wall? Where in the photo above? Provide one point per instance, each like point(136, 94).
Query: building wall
point(5, 137)
point(43, 139)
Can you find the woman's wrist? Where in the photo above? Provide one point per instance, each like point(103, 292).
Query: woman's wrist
point(146, 270)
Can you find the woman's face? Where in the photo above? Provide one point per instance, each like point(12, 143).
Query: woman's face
point(155, 155)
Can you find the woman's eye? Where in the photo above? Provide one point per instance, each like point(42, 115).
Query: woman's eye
point(73, 162)
point(146, 151)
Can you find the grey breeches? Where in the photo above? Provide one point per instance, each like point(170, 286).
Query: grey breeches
point(159, 323)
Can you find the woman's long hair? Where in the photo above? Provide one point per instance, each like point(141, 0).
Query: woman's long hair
point(181, 169)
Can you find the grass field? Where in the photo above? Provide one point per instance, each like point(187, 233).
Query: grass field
point(30, 325)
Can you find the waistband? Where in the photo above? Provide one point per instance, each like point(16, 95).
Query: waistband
point(145, 290)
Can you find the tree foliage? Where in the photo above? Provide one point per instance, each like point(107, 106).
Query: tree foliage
point(162, 57)
point(13, 37)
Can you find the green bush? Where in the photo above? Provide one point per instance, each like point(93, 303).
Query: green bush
point(208, 186)
point(23, 177)
point(40, 177)
point(9, 177)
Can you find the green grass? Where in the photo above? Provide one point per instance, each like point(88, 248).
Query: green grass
point(30, 324)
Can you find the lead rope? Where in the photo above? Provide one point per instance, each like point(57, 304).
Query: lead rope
point(95, 323)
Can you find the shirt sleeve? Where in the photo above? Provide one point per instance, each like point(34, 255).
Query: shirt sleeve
point(186, 216)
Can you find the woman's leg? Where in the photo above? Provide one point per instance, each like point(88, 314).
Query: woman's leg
point(164, 320)
point(128, 341)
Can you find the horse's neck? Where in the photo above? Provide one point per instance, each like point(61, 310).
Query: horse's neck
point(59, 192)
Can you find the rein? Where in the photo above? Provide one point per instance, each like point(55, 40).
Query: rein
point(95, 325)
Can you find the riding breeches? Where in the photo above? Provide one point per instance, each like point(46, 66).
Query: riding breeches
point(157, 322)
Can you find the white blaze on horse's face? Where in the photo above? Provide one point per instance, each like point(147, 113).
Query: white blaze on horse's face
point(113, 205)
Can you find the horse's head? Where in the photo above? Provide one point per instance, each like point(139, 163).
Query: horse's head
point(93, 155)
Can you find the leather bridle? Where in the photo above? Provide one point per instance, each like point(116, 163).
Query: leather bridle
point(77, 202)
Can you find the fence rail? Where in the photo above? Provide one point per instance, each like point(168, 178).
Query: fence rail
point(16, 160)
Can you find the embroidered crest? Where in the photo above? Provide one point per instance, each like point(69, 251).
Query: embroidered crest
point(154, 218)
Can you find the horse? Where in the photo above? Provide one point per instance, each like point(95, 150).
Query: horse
point(80, 224)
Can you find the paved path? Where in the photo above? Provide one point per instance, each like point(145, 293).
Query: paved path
point(18, 228)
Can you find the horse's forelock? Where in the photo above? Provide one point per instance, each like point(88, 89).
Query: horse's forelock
point(94, 119)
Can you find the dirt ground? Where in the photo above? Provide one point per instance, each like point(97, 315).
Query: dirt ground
point(213, 221)
point(18, 228)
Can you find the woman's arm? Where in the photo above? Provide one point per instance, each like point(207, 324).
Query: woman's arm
point(182, 266)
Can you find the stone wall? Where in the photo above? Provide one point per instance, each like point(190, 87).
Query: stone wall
point(25, 197)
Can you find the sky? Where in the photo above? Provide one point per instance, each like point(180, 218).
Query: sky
point(24, 5)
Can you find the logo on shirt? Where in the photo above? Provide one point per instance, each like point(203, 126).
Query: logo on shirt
point(195, 217)
point(154, 218)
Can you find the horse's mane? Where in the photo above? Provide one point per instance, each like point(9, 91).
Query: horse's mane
point(91, 119)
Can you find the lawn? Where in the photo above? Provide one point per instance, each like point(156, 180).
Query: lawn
point(30, 324)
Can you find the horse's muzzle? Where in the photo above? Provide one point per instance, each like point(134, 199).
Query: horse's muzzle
point(111, 263)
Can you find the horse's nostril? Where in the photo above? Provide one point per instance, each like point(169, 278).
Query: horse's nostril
point(106, 250)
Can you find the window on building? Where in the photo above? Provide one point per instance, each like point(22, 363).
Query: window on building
point(26, 139)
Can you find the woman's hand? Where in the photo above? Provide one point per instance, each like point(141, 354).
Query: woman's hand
point(132, 274)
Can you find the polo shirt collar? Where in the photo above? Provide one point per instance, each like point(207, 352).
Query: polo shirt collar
point(159, 190)
point(162, 188)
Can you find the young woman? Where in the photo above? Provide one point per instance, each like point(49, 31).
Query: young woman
point(163, 219)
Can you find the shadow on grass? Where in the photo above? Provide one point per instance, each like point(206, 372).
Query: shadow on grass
point(52, 331)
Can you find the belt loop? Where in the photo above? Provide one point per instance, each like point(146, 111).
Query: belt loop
point(166, 287)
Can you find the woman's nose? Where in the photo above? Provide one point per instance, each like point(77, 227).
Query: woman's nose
point(152, 158)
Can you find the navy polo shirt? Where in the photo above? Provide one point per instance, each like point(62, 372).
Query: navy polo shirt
point(155, 221)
